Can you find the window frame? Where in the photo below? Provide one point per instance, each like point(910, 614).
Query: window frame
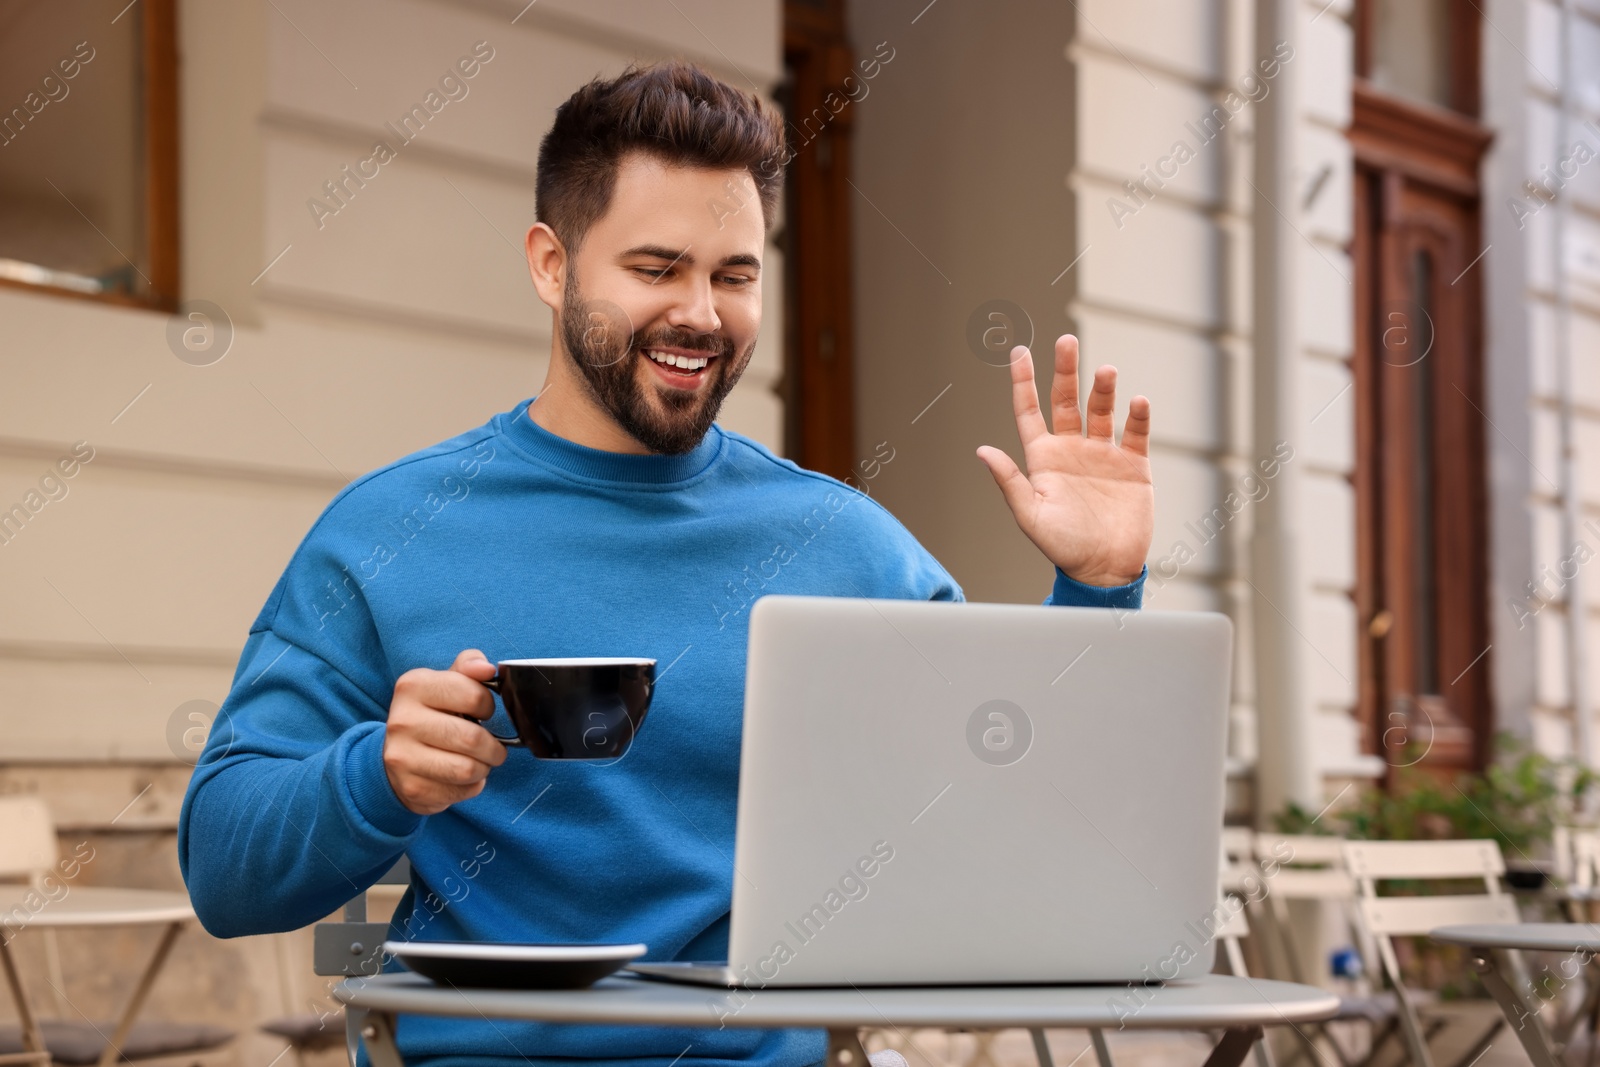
point(1466, 31)
point(158, 26)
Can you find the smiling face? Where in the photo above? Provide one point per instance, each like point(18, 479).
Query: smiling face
point(659, 308)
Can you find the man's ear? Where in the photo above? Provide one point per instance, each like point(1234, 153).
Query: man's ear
point(547, 263)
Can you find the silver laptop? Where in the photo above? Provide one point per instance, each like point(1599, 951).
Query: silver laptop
point(938, 793)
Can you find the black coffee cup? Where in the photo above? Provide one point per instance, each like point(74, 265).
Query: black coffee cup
point(585, 708)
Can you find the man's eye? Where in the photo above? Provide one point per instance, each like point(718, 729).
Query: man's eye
point(738, 280)
point(650, 272)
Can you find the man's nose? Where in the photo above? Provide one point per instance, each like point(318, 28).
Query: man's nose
point(697, 310)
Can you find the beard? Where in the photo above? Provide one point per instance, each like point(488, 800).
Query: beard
point(600, 339)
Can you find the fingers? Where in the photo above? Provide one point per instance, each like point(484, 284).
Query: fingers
point(454, 690)
point(1014, 485)
point(1024, 397)
point(432, 755)
point(1102, 402)
point(1064, 414)
point(472, 662)
point(450, 733)
point(434, 759)
point(1136, 431)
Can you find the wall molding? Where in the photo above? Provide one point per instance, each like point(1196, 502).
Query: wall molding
point(448, 326)
point(100, 652)
point(111, 457)
point(276, 118)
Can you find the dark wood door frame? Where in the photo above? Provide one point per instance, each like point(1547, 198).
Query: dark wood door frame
point(1420, 487)
point(818, 385)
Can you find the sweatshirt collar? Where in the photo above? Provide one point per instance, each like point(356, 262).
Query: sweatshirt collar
point(553, 450)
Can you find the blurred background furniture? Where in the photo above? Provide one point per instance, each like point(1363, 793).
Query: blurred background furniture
point(1310, 869)
point(345, 949)
point(1388, 916)
point(41, 896)
point(1495, 949)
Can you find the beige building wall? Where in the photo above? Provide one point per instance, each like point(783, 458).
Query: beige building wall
point(1014, 187)
point(401, 319)
point(1542, 228)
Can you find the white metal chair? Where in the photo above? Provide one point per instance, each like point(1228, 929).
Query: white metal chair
point(1311, 868)
point(29, 855)
point(1306, 868)
point(1576, 852)
point(350, 948)
point(1237, 874)
point(1384, 918)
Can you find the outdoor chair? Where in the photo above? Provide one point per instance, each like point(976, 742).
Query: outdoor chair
point(350, 948)
point(1311, 868)
point(1385, 918)
point(29, 854)
point(1238, 850)
point(1576, 853)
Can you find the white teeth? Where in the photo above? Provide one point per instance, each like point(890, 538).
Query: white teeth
point(681, 362)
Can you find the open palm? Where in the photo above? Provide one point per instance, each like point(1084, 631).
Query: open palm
point(1086, 501)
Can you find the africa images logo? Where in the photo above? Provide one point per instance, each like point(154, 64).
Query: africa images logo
point(999, 732)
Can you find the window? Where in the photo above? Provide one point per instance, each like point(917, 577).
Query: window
point(88, 149)
point(1420, 51)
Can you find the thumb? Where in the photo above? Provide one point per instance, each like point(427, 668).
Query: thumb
point(474, 664)
point(1013, 483)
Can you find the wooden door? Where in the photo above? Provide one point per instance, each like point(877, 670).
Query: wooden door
point(1421, 426)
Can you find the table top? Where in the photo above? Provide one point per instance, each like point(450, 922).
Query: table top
point(91, 905)
point(1211, 1001)
point(1550, 937)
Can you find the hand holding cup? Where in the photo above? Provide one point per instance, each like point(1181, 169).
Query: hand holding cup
point(434, 754)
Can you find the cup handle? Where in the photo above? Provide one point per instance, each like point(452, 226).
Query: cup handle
point(493, 685)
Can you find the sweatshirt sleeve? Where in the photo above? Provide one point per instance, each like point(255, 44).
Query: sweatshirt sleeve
point(1069, 592)
point(289, 812)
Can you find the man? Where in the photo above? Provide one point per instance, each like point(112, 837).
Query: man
point(609, 516)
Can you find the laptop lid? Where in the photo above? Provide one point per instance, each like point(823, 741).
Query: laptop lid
point(937, 792)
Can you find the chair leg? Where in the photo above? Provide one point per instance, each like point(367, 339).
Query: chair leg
point(1263, 1053)
point(1410, 1025)
point(1591, 1015)
point(32, 1039)
point(1102, 1051)
point(355, 1020)
point(1041, 1047)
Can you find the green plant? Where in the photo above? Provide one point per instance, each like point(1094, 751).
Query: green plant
point(1518, 801)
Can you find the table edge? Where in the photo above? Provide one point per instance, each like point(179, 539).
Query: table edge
point(411, 1000)
point(1510, 941)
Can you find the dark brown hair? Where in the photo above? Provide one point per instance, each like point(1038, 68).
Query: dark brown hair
point(672, 110)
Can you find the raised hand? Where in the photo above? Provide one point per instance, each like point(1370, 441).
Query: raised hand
point(1086, 501)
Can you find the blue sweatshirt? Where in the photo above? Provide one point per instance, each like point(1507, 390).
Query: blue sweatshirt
point(516, 541)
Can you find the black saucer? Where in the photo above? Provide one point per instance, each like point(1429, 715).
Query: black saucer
point(504, 965)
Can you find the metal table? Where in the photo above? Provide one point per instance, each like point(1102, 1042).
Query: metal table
point(1494, 947)
point(1239, 1007)
point(89, 906)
